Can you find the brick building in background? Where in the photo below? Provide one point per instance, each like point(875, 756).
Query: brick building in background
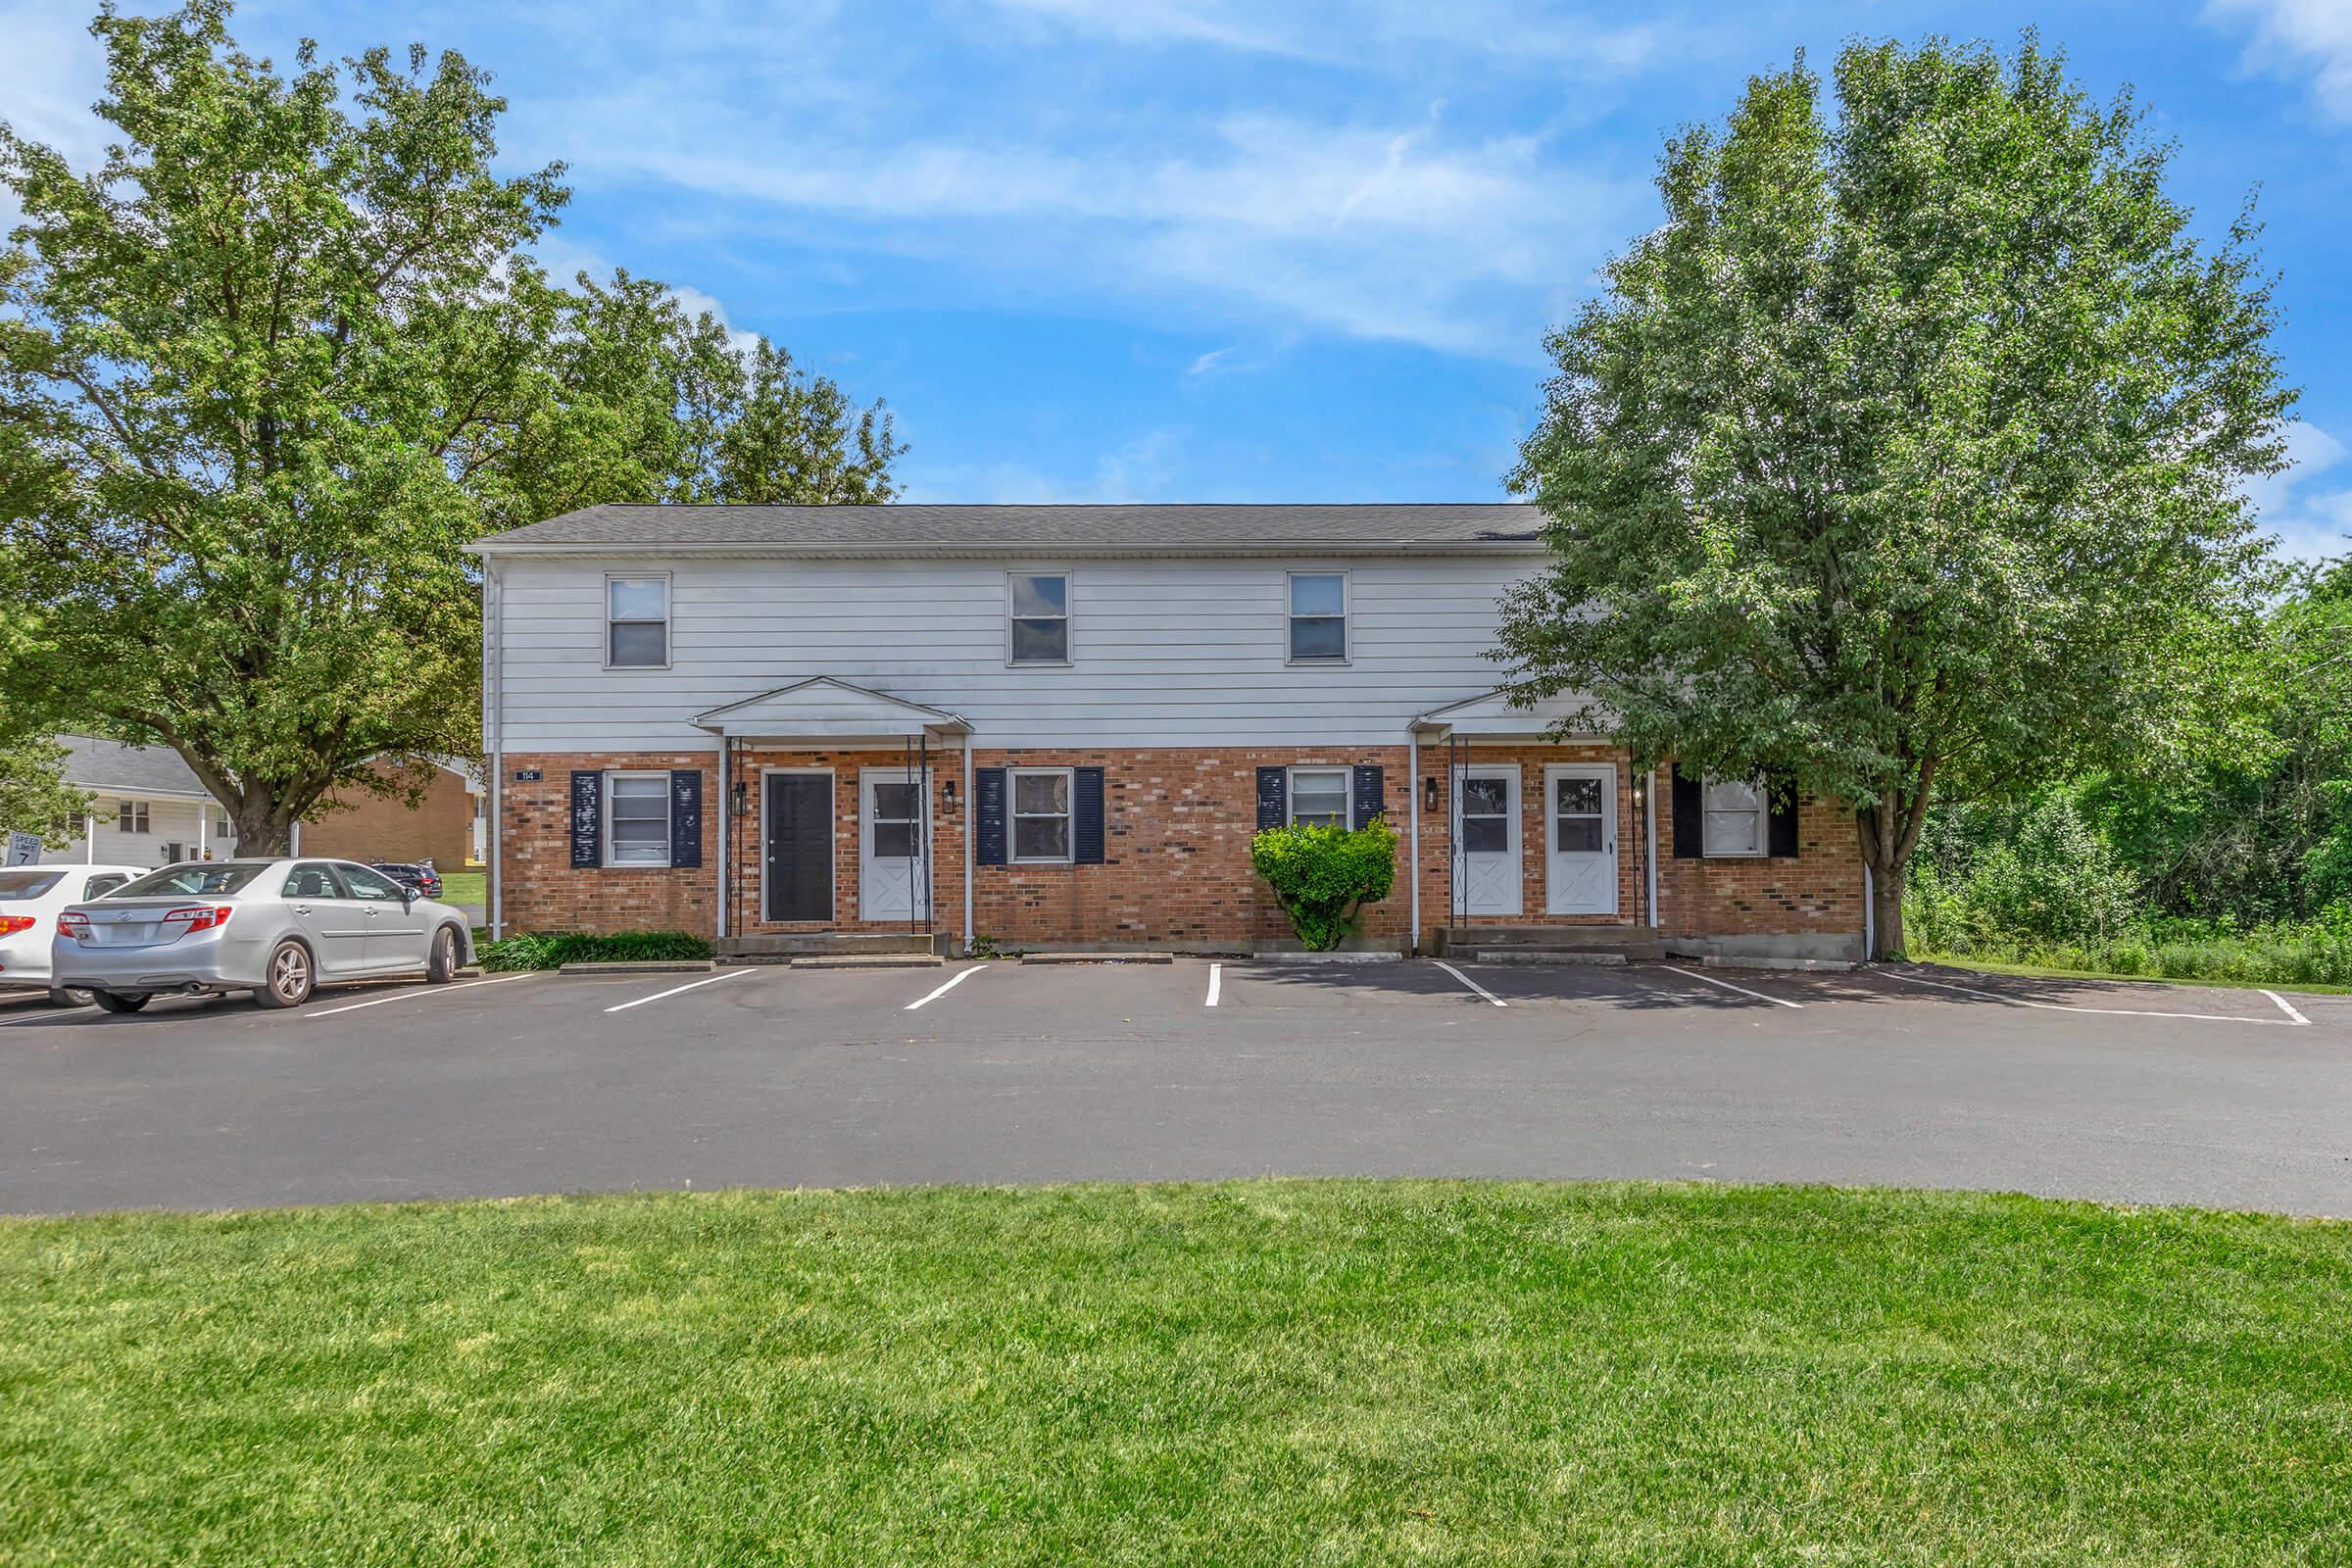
point(787, 726)
point(444, 827)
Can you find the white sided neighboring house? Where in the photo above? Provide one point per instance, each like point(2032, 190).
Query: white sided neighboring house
point(147, 807)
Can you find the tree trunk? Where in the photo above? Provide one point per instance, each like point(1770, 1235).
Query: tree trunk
point(261, 828)
point(1886, 913)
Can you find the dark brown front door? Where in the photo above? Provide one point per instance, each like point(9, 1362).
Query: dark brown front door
point(800, 846)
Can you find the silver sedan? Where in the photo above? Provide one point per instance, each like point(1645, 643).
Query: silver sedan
point(277, 928)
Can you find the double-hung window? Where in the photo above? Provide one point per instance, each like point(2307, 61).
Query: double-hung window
point(1735, 818)
point(636, 622)
point(637, 819)
point(131, 816)
point(1036, 617)
point(1318, 617)
point(1318, 797)
point(1041, 815)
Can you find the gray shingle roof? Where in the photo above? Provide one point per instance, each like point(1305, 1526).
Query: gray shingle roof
point(1139, 527)
point(92, 763)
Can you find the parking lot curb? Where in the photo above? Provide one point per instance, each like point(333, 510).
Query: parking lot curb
point(871, 961)
point(1096, 958)
point(1516, 955)
point(642, 966)
point(1718, 961)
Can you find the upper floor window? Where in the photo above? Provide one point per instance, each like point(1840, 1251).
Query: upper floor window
point(636, 621)
point(131, 816)
point(1734, 822)
point(637, 819)
point(1318, 616)
point(1039, 626)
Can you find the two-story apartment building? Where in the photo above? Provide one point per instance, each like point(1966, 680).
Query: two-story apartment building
point(1061, 725)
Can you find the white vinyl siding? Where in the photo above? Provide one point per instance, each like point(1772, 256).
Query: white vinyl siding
point(1318, 797)
point(1171, 653)
point(1041, 815)
point(168, 822)
point(1735, 818)
point(636, 818)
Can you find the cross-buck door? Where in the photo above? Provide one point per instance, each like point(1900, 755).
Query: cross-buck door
point(1580, 827)
point(892, 844)
point(1485, 830)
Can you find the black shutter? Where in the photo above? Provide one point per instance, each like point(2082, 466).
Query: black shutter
point(1690, 817)
point(1368, 802)
point(587, 820)
point(1086, 817)
point(988, 815)
point(686, 817)
point(1780, 840)
point(1273, 799)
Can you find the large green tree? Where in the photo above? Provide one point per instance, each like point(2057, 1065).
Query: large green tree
point(1904, 458)
point(34, 796)
point(264, 372)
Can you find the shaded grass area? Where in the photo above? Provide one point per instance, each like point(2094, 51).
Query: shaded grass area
point(1244, 1373)
point(2053, 973)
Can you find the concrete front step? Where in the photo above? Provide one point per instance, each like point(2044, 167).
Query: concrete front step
point(873, 960)
point(1140, 957)
point(828, 944)
point(1635, 942)
point(1543, 956)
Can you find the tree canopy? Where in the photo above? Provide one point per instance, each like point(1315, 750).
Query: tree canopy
point(1905, 458)
point(266, 372)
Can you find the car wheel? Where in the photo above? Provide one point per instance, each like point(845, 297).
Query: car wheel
point(119, 1001)
point(72, 997)
point(290, 977)
point(441, 967)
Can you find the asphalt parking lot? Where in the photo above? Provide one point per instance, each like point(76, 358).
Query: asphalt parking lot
point(1009, 1073)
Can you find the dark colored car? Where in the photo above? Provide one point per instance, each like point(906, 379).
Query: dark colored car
point(421, 876)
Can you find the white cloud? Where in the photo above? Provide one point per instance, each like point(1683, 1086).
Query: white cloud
point(2310, 525)
point(2296, 38)
point(1355, 31)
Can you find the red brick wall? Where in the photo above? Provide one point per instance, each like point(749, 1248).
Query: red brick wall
point(359, 826)
point(1176, 863)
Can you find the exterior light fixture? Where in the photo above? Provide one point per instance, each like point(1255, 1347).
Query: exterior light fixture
point(947, 796)
point(1428, 793)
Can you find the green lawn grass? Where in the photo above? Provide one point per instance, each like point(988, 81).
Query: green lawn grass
point(1259, 1373)
point(2047, 972)
point(466, 887)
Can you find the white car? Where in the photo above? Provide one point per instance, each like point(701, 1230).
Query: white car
point(31, 897)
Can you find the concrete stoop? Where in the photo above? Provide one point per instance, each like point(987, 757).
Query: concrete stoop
point(1548, 944)
point(829, 944)
point(869, 960)
point(1572, 955)
point(1096, 958)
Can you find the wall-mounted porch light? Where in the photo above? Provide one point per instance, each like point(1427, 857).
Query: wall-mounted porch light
point(1428, 793)
point(947, 796)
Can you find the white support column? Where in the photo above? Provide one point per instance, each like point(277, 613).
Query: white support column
point(1650, 828)
point(204, 823)
point(725, 772)
point(968, 842)
point(1412, 816)
point(89, 838)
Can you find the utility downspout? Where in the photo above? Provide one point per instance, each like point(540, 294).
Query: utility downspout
point(724, 795)
point(1869, 914)
point(967, 843)
point(1412, 812)
point(89, 838)
point(494, 613)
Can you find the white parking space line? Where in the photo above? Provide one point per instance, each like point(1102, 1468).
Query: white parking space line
point(731, 974)
point(1216, 981)
point(954, 981)
point(1777, 1001)
point(414, 993)
point(2291, 1019)
point(1472, 984)
point(2286, 1007)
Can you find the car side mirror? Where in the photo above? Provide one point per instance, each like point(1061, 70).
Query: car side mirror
point(408, 898)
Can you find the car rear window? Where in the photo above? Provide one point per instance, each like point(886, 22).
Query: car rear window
point(197, 881)
point(28, 884)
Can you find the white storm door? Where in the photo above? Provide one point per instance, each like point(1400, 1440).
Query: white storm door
point(891, 843)
point(1486, 828)
point(1580, 827)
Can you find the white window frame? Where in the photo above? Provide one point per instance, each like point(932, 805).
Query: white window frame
point(1013, 814)
point(612, 818)
point(1289, 791)
point(133, 817)
point(669, 618)
point(1069, 646)
point(1707, 821)
point(1289, 619)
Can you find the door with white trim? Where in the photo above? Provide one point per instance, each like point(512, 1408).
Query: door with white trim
point(893, 843)
point(1486, 833)
point(1580, 831)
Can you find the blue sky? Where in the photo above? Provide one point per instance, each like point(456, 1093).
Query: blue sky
point(1222, 250)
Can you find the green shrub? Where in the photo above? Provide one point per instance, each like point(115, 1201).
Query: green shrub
point(1323, 877)
point(552, 949)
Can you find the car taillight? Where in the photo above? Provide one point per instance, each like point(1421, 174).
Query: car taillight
point(74, 923)
point(11, 924)
point(200, 917)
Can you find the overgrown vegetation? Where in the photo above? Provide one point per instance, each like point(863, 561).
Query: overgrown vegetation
point(1324, 877)
point(552, 949)
point(2237, 871)
point(1247, 1373)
